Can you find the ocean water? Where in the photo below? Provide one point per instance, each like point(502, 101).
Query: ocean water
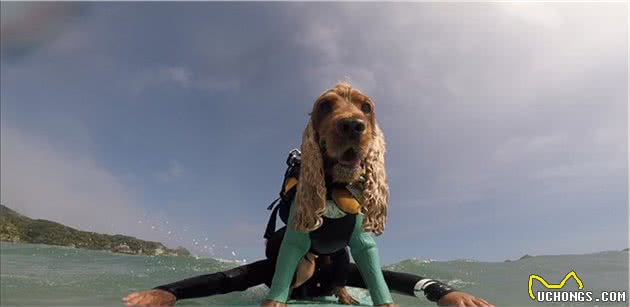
point(40, 275)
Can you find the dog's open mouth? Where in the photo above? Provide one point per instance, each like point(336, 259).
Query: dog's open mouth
point(350, 158)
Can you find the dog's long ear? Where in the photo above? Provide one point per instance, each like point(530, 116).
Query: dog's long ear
point(311, 190)
point(376, 189)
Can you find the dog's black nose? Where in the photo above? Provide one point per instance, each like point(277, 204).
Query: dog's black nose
point(350, 127)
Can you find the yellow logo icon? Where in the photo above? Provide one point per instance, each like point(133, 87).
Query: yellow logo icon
point(553, 286)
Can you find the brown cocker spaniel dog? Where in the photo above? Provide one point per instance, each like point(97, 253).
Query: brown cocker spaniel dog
point(342, 143)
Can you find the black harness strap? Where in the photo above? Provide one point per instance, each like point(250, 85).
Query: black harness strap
point(283, 203)
point(271, 224)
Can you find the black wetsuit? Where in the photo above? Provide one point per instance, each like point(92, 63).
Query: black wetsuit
point(334, 270)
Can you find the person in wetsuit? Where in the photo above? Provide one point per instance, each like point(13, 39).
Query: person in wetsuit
point(332, 272)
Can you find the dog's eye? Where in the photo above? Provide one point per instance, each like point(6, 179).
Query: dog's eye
point(366, 108)
point(325, 106)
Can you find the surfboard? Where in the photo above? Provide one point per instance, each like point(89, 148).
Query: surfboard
point(364, 300)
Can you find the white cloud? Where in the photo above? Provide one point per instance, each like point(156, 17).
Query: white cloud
point(537, 14)
point(26, 26)
point(183, 77)
point(491, 113)
point(179, 75)
point(162, 75)
point(172, 173)
point(490, 94)
point(520, 149)
point(41, 180)
point(218, 84)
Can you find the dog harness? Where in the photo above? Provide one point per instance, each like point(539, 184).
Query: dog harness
point(338, 220)
point(344, 199)
point(342, 226)
point(364, 252)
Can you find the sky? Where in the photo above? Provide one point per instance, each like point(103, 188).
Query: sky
point(506, 123)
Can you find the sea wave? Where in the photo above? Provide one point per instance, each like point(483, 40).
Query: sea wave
point(50, 275)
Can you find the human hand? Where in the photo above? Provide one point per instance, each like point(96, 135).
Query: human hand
point(462, 299)
point(147, 298)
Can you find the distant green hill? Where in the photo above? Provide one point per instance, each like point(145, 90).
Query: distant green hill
point(18, 228)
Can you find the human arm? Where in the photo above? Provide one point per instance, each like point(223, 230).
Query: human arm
point(445, 295)
point(418, 286)
point(236, 279)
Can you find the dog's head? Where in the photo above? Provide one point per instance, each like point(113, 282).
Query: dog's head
point(342, 142)
point(344, 126)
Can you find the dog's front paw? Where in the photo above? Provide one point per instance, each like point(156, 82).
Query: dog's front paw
point(345, 297)
point(270, 303)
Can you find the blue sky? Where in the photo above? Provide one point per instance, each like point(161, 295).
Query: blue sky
point(506, 123)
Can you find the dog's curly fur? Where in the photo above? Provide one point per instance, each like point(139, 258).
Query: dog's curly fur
point(311, 191)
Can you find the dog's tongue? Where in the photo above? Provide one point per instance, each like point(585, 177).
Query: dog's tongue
point(349, 158)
